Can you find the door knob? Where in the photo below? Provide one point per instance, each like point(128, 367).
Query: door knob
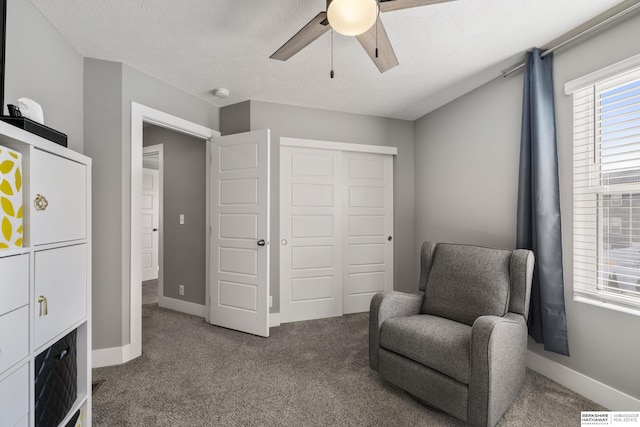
point(389, 238)
point(261, 242)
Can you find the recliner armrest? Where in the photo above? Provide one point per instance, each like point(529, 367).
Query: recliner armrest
point(498, 365)
point(385, 305)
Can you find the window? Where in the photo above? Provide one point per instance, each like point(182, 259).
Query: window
point(606, 186)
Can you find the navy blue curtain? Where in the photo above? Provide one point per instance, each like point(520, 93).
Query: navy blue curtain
point(539, 205)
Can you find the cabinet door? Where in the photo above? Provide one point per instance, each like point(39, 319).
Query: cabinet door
point(61, 278)
point(14, 397)
point(14, 337)
point(14, 282)
point(58, 199)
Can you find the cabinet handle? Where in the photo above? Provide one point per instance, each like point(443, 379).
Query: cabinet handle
point(40, 202)
point(43, 307)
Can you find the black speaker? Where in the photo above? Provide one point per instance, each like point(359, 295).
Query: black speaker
point(56, 381)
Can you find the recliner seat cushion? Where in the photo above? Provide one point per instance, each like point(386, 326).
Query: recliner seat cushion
point(466, 282)
point(440, 344)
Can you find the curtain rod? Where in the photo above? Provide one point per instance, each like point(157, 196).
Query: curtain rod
point(611, 15)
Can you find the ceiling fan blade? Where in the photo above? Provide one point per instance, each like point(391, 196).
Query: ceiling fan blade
point(389, 5)
point(386, 58)
point(303, 38)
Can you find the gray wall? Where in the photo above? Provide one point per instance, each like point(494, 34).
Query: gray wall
point(310, 123)
point(108, 140)
point(466, 158)
point(184, 170)
point(104, 144)
point(235, 118)
point(43, 66)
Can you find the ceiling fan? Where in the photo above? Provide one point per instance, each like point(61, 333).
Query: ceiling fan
point(359, 18)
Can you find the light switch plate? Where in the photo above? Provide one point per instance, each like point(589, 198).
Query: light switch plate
point(181, 219)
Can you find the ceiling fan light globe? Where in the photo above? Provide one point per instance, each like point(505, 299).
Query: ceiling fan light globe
point(352, 17)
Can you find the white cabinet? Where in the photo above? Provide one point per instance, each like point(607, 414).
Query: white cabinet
point(58, 199)
point(45, 283)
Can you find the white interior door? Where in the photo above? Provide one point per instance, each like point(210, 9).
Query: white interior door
point(310, 229)
point(368, 242)
point(150, 220)
point(240, 232)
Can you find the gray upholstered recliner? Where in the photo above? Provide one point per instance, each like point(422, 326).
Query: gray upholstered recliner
point(461, 345)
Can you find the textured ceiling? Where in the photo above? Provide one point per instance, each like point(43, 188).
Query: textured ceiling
point(444, 50)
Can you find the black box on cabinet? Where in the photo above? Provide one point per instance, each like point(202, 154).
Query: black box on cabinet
point(37, 128)
point(56, 381)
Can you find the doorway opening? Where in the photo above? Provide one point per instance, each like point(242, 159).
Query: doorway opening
point(141, 114)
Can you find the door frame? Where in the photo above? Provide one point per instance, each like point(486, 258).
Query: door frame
point(159, 150)
point(141, 114)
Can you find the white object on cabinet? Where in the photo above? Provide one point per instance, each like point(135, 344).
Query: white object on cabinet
point(55, 263)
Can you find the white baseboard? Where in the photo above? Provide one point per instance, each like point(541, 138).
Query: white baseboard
point(183, 306)
point(274, 319)
point(110, 356)
point(601, 393)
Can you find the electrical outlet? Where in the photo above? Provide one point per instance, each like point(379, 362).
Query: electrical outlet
point(181, 289)
point(181, 219)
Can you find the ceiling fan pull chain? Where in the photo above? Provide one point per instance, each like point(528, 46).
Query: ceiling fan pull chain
point(377, 35)
point(376, 24)
point(331, 74)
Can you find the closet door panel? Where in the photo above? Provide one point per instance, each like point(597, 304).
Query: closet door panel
point(368, 237)
point(310, 230)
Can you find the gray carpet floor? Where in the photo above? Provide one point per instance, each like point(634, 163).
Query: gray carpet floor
point(311, 373)
point(150, 292)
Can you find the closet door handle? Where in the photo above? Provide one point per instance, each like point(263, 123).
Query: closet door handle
point(261, 242)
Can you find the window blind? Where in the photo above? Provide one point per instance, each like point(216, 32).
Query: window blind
point(606, 190)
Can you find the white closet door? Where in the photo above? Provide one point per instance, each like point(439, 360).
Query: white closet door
point(368, 239)
point(310, 233)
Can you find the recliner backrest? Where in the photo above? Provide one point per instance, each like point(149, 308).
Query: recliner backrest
point(463, 282)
